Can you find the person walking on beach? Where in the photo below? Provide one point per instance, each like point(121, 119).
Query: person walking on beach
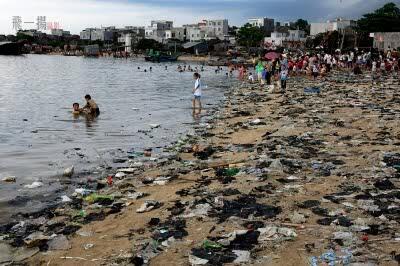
point(315, 71)
point(197, 92)
point(284, 76)
point(259, 71)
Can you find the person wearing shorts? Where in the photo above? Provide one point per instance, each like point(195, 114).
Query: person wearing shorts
point(197, 91)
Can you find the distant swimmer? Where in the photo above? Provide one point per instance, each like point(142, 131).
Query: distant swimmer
point(91, 106)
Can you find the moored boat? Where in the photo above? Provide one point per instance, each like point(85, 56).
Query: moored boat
point(10, 48)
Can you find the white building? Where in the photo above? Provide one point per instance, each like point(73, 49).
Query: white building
point(278, 38)
point(195, 34)
point(296, 35)
point(60, 32)
point(95, 34)
point(138, 32)
point(215, 29)
point(176, 33)
point(267, 24)
point(86, 33)
point(157, 30)
point(130, 36)
point(336, 25)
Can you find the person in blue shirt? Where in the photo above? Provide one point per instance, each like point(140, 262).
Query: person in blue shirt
point(264, 74)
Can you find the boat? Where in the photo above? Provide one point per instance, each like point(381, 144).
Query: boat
point(11, 48)
point(158, 57)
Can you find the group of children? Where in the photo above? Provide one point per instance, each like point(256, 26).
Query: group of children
point(268, 72)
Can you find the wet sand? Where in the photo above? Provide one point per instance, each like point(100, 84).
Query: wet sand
point(312, 163)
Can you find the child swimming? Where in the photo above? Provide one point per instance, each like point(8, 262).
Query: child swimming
point(75, 109)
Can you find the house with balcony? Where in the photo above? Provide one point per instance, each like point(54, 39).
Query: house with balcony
point(178, 33)
point(157, 30)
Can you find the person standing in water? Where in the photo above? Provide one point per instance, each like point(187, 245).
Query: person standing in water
point(197, 91)
point(91, 106)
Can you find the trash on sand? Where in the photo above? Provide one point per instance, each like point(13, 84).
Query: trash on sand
point(59, 242)
point(161, 181)
point(205, 153)
point(65, 198)
point(9, 179)
point(101, 199)
point(207, 244)
point(37, 239)
point(171, 228)
point(199, 210)
point(148, 205)
point(242, 256)
point(15, 256)
point(312, 90)
point(82, 191)
point(193, 260)
point(127, 170)
point(136, 195)
point(120, 175)
point(69, 172)
point(109, 180)
point(88, 246)
point(153, 126)
point(255, 122)
point(297, 218)
point(276, 233)
point(227, 172)
point(35, 184)
point(243, 207)
point(341, 257)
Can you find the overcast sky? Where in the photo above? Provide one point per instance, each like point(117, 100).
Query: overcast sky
point(75, 15)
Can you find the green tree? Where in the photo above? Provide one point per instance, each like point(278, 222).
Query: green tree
point(250, 36)
point(23, 37)
point(232, 30)
point(144, 44)
point(384, 19)
point(302, 24)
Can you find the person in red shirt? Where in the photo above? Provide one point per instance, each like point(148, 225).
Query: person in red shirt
point(388, 66)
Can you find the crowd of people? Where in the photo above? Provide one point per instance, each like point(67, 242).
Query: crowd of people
point(317, 65)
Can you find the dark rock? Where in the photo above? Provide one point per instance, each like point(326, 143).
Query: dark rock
point(309, 204)
point(384, 184)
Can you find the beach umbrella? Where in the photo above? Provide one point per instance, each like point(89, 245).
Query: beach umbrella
point(272, 55)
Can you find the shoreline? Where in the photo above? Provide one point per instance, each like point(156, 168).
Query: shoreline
point(264, 161)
